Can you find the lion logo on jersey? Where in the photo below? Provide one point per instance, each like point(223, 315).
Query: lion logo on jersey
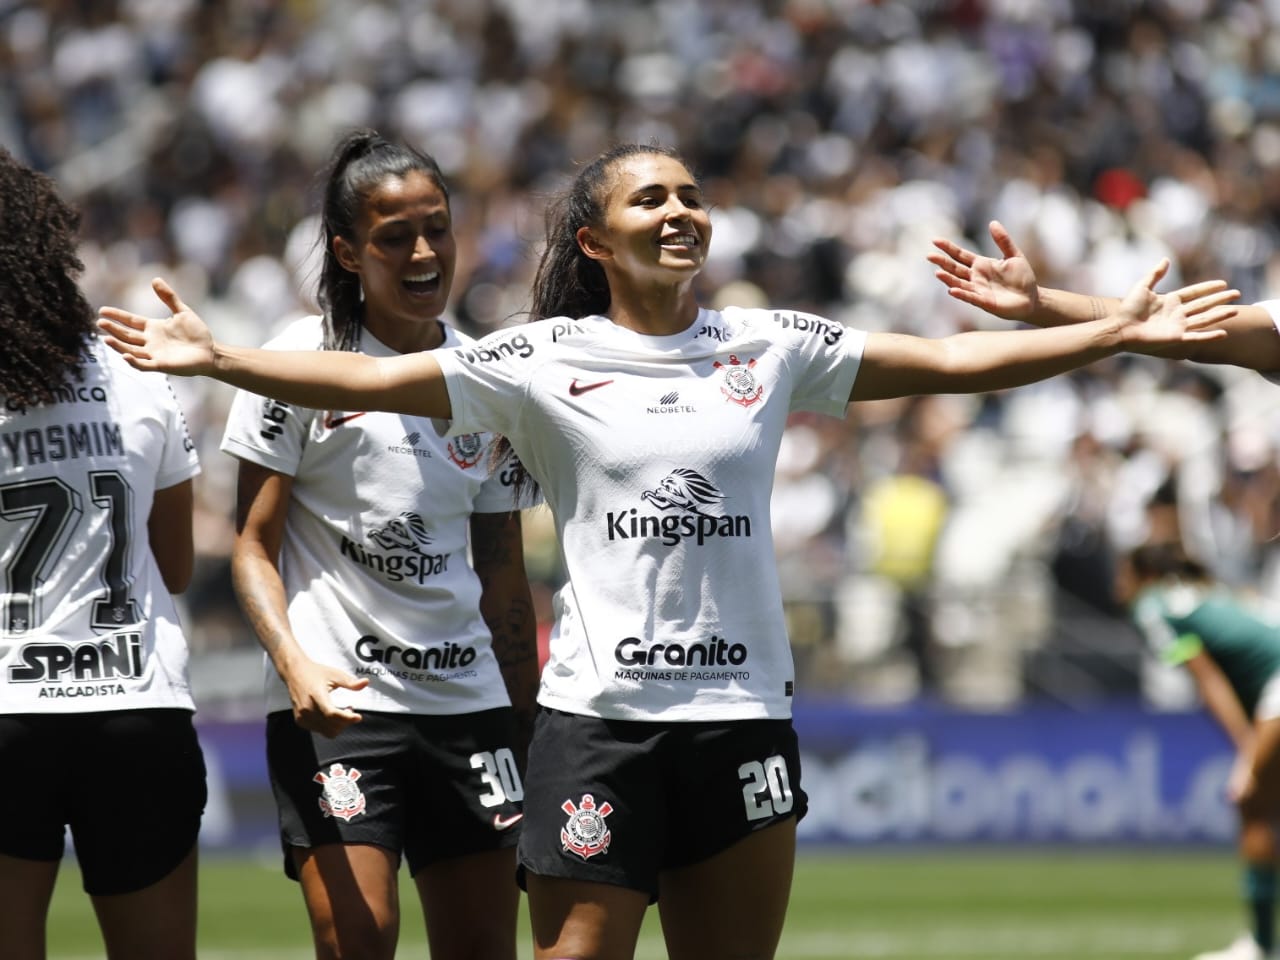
point(684, 489)
point(406, 532)
point(466, 449)
point(340, 797)
point(585, 833)
point(740, 384)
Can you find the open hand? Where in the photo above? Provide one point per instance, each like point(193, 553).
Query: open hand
point(1006, 288)
point(1191, 314)
point(180, 343)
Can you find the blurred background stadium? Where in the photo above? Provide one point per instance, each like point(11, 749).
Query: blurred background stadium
point(969, 691)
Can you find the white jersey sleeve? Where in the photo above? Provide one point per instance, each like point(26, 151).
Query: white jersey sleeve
point(656, 456)
point(88, 624)
point(374, 557)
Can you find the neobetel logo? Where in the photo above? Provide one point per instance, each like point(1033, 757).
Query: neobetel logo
point(406, 532)
point(670, 403)
point(687, 494)
point(829, 332)
point(448, 656)
point(409, 445)
point(517, 346)
point(114, 658)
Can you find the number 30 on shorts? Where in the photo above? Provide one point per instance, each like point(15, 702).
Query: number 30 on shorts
point(766, 788)
point(500, 776)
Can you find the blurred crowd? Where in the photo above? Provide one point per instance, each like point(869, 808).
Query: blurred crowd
point(950, 547)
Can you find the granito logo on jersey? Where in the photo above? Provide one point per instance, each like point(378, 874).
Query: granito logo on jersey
point(829, 331)
point(739, 385)
point(466, 449)
point(339, 795)
point(585, 833)
point(110, 659)
point(409, 445)
point(407, 533)
point(447, 656)
point(687, 497)
point(670, 403)
point(516, 346)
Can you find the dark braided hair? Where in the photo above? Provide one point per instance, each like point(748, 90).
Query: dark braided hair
point(361, 160)
point(46, 319)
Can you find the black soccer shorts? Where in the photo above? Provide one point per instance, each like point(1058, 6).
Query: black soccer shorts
point(428, 787)
point(129, 783)
point(615, 801)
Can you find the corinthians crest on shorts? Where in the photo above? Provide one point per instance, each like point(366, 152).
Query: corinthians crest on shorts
point(340, 797)
point(740, 385)
point(585, 833)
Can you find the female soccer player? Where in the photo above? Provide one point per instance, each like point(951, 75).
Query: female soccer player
point(95, 534)
point(664, 765)
point(390, 730)
point(1233, 657)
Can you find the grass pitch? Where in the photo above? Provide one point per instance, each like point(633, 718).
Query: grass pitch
point(919, 905)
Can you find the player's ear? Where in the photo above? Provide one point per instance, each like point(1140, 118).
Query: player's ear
point(590, 243)
point(346, 254)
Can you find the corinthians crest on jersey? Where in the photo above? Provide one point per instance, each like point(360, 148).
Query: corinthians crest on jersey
point(466, 449)
point(739, 384)
point(585, 833)
point(340, 796)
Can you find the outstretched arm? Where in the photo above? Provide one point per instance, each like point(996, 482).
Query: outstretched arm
point(1006, 287)
point(320, 379)
point(895, 365)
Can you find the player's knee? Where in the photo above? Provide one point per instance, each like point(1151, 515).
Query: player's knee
point(365, 938)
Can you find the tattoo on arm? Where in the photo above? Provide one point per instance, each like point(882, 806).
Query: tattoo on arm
point(1097, 308)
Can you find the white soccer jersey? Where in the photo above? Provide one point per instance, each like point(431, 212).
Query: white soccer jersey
point(374, 557)
point(657, 456)
point(87, 622)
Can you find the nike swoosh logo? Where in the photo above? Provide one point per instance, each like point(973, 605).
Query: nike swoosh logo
point(331, 422)
point(505, 823)
point(577, 391)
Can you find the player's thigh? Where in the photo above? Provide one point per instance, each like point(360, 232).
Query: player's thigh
point(26, 887)
point(352, 897)
point(470, 905)
point(734, 903)
point(157, 922)
point(1265, 802)
point(133, 839)
point(582, 919)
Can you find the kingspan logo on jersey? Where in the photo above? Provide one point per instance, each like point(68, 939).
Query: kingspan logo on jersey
point(403, 539)
point(85, 669)
point(685, 499)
